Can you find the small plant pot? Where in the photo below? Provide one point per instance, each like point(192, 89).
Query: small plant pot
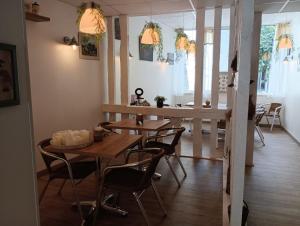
point(159, 104)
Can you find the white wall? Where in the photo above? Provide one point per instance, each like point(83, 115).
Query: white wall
point(18, 205)
point(291, 105)
point(154, 77)
point(65, 89)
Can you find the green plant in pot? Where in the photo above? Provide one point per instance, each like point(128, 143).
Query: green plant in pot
point(160, 101)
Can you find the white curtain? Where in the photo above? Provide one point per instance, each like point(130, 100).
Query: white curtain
point(278, 74)
point(207, 71)
point(180, 81)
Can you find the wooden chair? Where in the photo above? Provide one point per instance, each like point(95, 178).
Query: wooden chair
point(274, 113)
point(72, 171)
point(129, 178)
point(155, 142)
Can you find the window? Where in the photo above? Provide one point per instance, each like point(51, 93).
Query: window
point(208, 59)
point(265, 54)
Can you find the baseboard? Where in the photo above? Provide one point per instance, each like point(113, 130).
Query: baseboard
point(44, 172)
point(267, 125)
point(291, 135)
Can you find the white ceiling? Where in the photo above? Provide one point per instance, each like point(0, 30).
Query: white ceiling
point(154, 7)
point(148, 7)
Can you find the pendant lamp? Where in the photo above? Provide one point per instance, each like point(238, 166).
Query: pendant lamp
point(285, 43)
point(91, 19)
point(150, 35)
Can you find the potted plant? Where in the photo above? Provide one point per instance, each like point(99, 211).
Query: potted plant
point(160, 101)
point(152, 35)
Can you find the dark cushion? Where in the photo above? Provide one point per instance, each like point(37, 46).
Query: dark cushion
point(166, 147)
point(80, 170)
point(125, 179)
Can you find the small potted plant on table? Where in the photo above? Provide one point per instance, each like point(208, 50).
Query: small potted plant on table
point(160, 101)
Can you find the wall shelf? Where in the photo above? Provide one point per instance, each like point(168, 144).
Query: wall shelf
point(36, 17)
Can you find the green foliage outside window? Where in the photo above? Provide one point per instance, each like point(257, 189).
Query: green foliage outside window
point(265, 53)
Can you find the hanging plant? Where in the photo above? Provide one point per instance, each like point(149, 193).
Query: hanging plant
point(91, 19)
point(182, 41)
point(152, 35)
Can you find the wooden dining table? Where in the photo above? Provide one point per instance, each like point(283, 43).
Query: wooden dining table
point(108, 149)
point(148, 125)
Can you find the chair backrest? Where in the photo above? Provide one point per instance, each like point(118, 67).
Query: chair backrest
point(273, 106)
point(151, 167)
point(49, 159)
point(177, 136)
point(259, 115)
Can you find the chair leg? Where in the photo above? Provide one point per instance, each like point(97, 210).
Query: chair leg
point(273, 122)
point(279, 120)
point(44, 191)
point(136, 196)
point(172, 170)
point(259, 132)
point(61, 187)
point(181, 165)
point(158, 198)
point(267, 120)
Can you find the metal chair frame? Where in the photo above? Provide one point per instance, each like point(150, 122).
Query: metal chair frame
point(167, 157)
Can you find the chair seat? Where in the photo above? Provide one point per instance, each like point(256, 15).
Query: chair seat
point(126, 179)
point(156, 144)
point(80, 170)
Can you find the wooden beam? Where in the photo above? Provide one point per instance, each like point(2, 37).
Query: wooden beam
point(215, 76)
point(253, 87)
point(198, 93)
point(102, 70)
point(240, 111)
point(111, 64)
point(124, 60)
point(167, 111)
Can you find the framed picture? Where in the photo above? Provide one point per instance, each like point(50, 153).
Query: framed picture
point(146, 51)
point(9, 88)
point(117, 29)
point(171, 58)
point(89, 46)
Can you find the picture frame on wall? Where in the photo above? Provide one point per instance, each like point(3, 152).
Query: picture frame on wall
point(88, 46)
point(145, 51)
point(9, 87)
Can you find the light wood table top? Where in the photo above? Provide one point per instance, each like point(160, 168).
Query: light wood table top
point(111, 146)
point(148, 125)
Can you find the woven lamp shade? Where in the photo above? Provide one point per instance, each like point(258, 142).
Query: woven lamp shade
point(150, 37)
point(182, 43)
point(192, 47)
point(92, 22)
point(285, 43)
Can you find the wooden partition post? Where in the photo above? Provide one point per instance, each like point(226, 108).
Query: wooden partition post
point(240, 111)
point(215, 76)
point(197, 130)
point(231, 54)
point(102, 71)
point(124, 61)
point(111, 64)
point(253, 87)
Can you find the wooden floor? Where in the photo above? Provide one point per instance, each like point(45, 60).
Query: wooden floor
point(272, 186)
point(197, 202)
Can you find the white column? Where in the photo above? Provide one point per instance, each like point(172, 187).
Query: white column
point(124, 60)
point(102, 71)
point(111, 64)
point(240, 111)
point(197, 130)
point(231, 54)
point(215, 76)
point(253, 87)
